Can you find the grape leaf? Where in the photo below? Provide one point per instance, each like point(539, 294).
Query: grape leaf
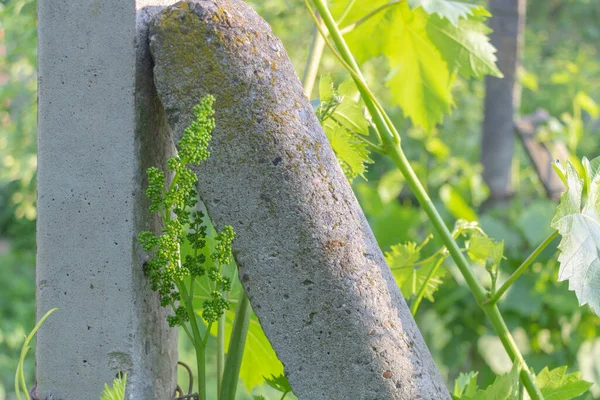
point(483, 249)
point(465, 46)
point(424, 47)
point(409, 277)
point(450, 10)
point(343, 119)
point(465, 384)
point(350, 112)
point(117, 391)
point(359, 40)
point(419, 79)
point(557, 385)
point(456, 204)
point(326, 88)
point(351, 152)
point(505, 387)
point(580, 231)
point(279, 383)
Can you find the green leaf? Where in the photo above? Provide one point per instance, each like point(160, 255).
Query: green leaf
point(117, 392)
point(450, 10)
point(343, 121)
point(419, 79)
point(409, 277)
point(351, 152)
point(390, 185)
point(279, 382)
point(326, 89)
point(259, 397)
point(465, 46)
point(359, 39)
point(350, 112)
point(403, 255)
point(588, 104)
point(456, 204)
point(483, 249)
point(505, 387)
point(465, 384)
point(580, 230)
point(557, 385)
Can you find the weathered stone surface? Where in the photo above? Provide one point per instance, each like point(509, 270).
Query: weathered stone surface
point(307, 257)
point(100, 127)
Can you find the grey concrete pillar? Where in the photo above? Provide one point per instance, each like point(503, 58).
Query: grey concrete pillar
point(502, 98)
point(100, 127)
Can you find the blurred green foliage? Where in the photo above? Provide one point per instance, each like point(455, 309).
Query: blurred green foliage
point(561, 73)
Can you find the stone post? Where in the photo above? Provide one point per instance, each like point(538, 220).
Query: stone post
point(311, 267)
point(100, 127)
point(502, 98)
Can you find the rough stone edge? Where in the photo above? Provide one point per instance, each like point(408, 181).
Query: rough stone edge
point(260, 125)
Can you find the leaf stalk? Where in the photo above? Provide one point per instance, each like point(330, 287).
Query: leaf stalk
point(519, 271)
point(235, 352)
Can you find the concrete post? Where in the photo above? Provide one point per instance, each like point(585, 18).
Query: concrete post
point(100, 127)
point(311, 267)
point(502, 98)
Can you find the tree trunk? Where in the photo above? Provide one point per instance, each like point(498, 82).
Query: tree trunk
point(502, 97)
point(307, 258)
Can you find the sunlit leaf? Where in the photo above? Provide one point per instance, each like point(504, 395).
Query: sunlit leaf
point(390, 185)
point(465, 384)
point(528, 79)
point(483, 249)
point(580, 230)
point(505, 387)
point(465, 46)
point(326, 88)
point(279, 382)
point(359, 40)
point(117, 391)
point(588, 104)
point(456, 204)
point(410, 276)
point(558, 385)
point(419, 79)
point(450, 10)
point(343, 118)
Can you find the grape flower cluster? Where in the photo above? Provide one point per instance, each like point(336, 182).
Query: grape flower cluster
point(166, 270)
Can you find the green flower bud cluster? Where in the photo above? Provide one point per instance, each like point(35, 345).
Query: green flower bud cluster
point(222, 252)
point(156, 188)
point(216, 306)
point(165, 269)
point(194, 144)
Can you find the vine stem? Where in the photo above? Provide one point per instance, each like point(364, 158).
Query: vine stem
point(235, 352)
point(220, 352)
point(391, 143)
point(20, 375)
point(349, 28)
point(415, 305)
point(528, 261)
point(314, 59)
point(199, 344)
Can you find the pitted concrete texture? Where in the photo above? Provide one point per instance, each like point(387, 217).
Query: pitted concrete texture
point(307, 258)
point(100, 127)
